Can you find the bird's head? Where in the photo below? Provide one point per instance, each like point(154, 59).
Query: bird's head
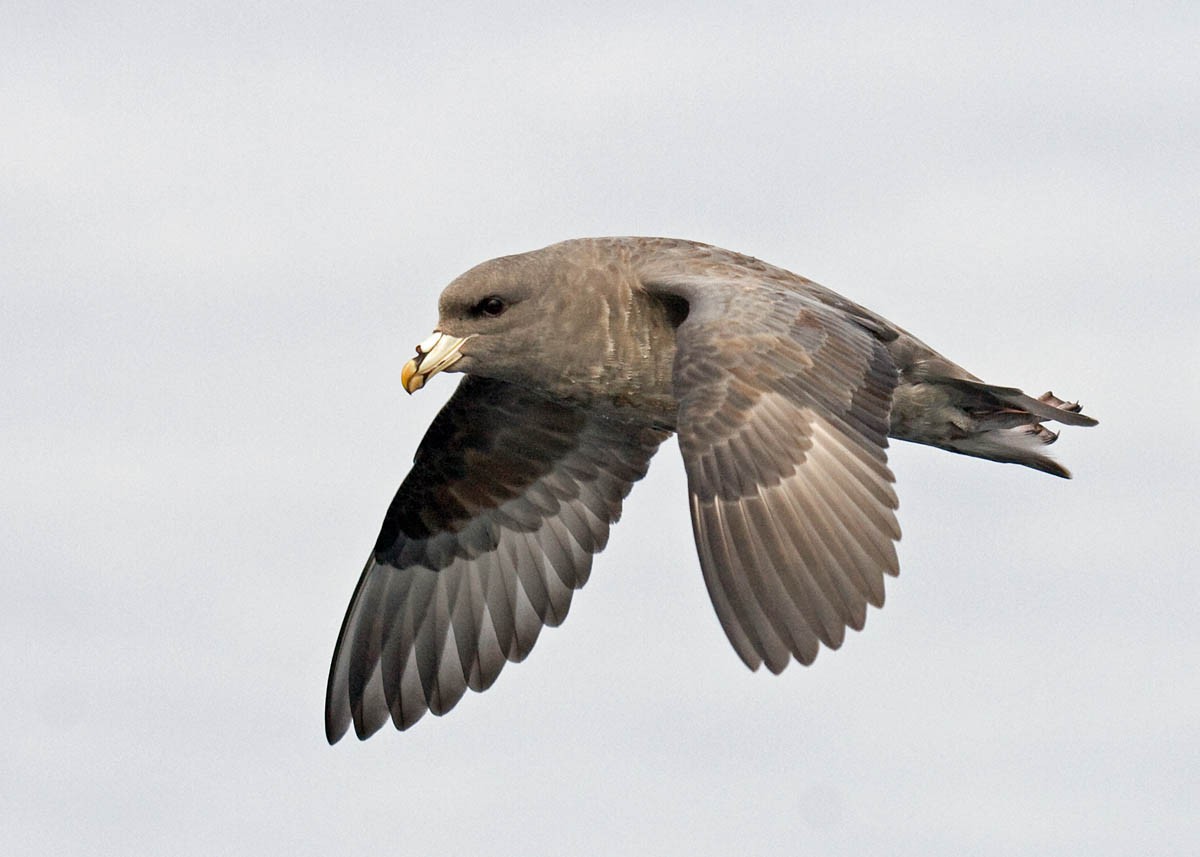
point(506, 319)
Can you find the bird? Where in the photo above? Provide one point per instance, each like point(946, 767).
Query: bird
point(579, 360)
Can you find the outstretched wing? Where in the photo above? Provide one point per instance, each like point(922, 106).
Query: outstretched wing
point(784, 408)
point(509, 497)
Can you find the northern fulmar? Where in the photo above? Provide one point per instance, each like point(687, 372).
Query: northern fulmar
point(580, 359)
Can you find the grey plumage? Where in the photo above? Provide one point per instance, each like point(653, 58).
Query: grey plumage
point(580, 359)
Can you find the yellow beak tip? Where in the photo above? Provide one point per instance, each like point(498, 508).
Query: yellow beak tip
point(436, 354)
point(410, 379)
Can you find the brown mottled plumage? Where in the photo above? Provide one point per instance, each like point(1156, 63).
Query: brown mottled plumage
point(581, 358)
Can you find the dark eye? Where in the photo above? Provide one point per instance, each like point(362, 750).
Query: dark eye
point(490, 307)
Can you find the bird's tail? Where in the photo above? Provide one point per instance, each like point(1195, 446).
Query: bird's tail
point(997, 423)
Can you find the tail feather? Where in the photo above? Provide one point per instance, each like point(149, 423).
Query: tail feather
point(985, 421)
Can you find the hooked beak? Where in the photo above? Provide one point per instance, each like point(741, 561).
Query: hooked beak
point(440, 351)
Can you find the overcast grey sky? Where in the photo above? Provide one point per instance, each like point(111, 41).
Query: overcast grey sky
point(223, 228)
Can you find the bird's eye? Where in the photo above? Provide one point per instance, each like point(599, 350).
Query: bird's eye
point(490, 307)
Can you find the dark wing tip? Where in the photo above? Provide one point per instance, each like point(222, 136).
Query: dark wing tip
point(334, 730)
